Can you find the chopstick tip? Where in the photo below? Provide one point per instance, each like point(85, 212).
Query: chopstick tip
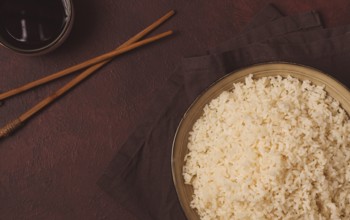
point(168, 33)
point(170, 13)
point(164, 34)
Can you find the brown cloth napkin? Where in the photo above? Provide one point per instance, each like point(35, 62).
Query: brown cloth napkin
point(139, 176)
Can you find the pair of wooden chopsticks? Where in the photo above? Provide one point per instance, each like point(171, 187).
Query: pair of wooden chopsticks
point(93, 64)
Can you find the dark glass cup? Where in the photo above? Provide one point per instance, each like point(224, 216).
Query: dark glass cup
point(35, 27)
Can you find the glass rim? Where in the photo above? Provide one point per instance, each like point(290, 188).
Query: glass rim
point(53, 44)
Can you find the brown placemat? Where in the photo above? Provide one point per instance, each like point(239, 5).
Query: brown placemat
point(139, 177)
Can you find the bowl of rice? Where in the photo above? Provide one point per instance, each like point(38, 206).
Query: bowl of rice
point(271, 141)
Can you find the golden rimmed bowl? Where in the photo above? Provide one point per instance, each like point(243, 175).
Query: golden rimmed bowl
point(334, 88)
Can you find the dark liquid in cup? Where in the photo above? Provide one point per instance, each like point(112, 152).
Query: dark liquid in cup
point(31, 24)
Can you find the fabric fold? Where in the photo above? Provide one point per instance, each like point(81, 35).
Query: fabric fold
point(277, 27)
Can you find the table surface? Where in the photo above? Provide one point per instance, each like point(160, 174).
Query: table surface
point(49, 168)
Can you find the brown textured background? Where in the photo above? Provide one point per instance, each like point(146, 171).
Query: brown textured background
point(49, 168)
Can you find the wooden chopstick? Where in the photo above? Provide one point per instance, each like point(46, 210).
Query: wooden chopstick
point(93, 68)
point(104, 59)
point(82, 76)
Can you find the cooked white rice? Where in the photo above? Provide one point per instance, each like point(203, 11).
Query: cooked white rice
point(272, 148)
